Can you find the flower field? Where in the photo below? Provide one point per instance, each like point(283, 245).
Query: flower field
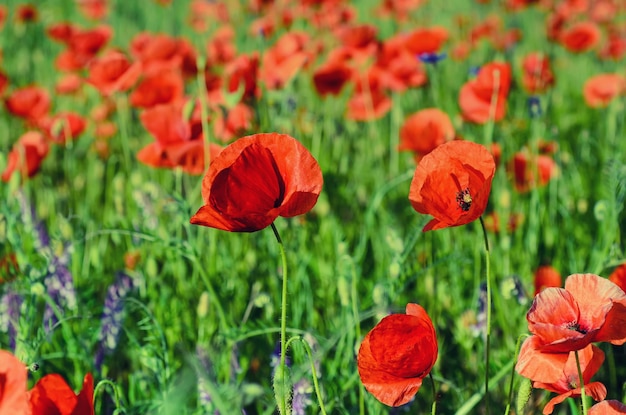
point(312, 207)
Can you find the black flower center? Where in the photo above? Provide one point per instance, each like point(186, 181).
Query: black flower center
point(464, 199)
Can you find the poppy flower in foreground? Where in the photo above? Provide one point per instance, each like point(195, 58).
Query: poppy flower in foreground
point(397, 355)
point(256, 179)
point(563, 373)
point(452, 183)
point(13, 377)
point(52, 396)
point(589, 309)
point(608, 408)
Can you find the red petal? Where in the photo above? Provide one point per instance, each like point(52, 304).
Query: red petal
point(84, 405)
point(13, 376)
point(539, 366)
point(52, 396)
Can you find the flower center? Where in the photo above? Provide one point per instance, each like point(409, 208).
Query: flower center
point(576, 327)
point(464, 199)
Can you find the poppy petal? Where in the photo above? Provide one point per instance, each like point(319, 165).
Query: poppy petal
point(13, 377)
point(536, 365)
point(52, 395)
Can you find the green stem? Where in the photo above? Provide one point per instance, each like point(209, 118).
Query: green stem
point(476, 397)
point(488, 306)
point(316, 385)
point(582, 384)
point(433, 410)
point(518, 345)
point(357, 326)
point(282, 404)
point(116, 393)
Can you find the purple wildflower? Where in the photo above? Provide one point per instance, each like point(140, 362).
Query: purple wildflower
point(480, 328)
point(9, 315)
point(534, 106)
point(301, 397)
point(275, 359)
point(60, 285)
point(431, 57)
point(112, 316)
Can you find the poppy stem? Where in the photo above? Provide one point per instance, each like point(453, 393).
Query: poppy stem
point(432, 382)
point(582, 385)
point(488, 306)
point(282, 393)
point(316, 385)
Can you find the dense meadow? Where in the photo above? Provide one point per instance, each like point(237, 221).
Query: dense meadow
point(381, 275)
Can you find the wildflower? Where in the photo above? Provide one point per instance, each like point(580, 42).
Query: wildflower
point(51, 395)
point(534, 106)
point(10, 306)
point(530, 171)
point(397, 355)
point(112, 315)
point(423, 131)
point(26, 156)
point(256, 179)
point(589, 309)
point(562, 376)
point(13, 375)
point(537, 74)
point(580, 37)
point(82, 46)
point(452, 183)
point(484, 97)
point(30, 103)
point(331, 77)
point(608, 408)
point(113, 72)
point(618, 276)
point(546, 276)
point(158, 88)
point(432, 58)
point(63, 126)
point(283, 61)
point(600, 90)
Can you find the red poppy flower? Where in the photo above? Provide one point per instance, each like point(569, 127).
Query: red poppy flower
point(369, 101)
point(282, 62)
point(589, 309)
point(537, 76)
point(580, 37)
point(82, 46)
point(452, 183)
point(399, 66)
point(26, 156)
point(26, 13)
point(558, 372)
point(230, 123)
point(68, 84)
point(113, 72)
point(476, 96)
point(397, 355)
point(256, 179)
point(608, 408)
point(52, 396)
point(618, 276)
point(531, 171)
point(93, 9)
point(158, 88)
point(426, 40)
point(600, 90)
point(179, 139)
point(243, 70)
point(30, 103)
point(4, 81)
point(423, 131)
point(4, 12)
point(546, 276)
point(63, 126)
point(221, 48)
point(13, 378)
point(331, 77)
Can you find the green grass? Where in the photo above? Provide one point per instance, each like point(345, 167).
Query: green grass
point(357, 256)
